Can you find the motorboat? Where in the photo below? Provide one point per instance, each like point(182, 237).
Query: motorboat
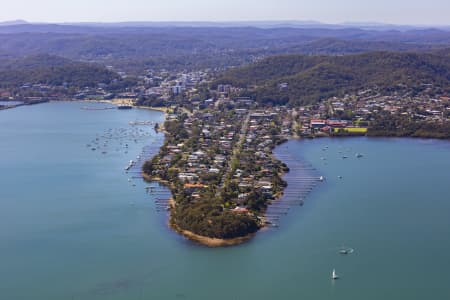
point(345, 251)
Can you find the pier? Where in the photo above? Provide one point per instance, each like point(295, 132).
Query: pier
point(302, 178)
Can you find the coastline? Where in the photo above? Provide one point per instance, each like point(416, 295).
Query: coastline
point(205, 240)
point(210, 242)
point(164, 110)
point(200, 239)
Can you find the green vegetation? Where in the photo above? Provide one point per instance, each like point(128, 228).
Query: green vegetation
point(400, 126)
point(135, 49)
point(214, 221)
point(54, 71)
point(309, 79)
point(220, 170)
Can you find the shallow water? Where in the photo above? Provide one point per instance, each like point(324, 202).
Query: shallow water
point(73, 227)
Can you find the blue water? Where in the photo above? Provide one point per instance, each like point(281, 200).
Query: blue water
point(10, 102)
point(73, 227)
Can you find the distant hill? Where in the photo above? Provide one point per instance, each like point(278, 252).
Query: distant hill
point(13, 22)
point(313, 78)
point(53, 70)
point(179, 46)
point(333, 46)
point(263, 24)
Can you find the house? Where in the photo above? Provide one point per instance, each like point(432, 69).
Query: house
point(317, 123)
point(240, 210)
point(193, 187)
point(337, 123)
point(187, 176)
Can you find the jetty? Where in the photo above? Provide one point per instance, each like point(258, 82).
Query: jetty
point(302, 179)
point(97, 108)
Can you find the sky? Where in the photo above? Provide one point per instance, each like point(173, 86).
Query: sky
point(407, 12)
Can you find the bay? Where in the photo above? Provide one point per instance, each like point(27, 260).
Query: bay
point(73, 227)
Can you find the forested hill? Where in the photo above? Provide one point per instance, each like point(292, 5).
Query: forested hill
point(312, 78)
point(52, 70)
point(135, 49)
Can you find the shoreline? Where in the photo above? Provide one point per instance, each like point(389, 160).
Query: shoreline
point(208, 241)
point(205, 240)
point(200, 239)
point(164, 110)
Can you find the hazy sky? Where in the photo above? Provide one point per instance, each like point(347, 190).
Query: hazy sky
point(431, 12)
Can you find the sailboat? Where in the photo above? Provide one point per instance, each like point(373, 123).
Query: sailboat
point(334, 275)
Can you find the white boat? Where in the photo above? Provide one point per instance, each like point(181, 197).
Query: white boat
point(334, 275)
point(346, 250)
point(321, 178)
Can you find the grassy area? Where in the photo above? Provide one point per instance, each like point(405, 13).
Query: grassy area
point(351, 130)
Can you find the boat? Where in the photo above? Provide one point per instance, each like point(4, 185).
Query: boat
point(131, 163)
point(321, 178)
point(134, 123)
point(359, 155)
point(124, 107)
point(345, 251)
point(334, 276)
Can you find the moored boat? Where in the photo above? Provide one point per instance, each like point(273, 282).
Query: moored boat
point(124, 107)
point(334, 276)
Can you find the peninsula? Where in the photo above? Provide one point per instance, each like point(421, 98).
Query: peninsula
point(219, 166)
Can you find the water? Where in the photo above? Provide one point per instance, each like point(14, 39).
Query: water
point(73, 227)
point(10, 102)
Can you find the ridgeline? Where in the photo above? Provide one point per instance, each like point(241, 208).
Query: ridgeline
point(300, 79)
